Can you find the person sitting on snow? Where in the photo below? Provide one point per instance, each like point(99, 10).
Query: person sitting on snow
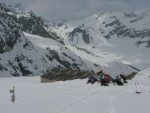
point(118, 80)
point(92, 79)
point(100, 75)
point(124, 78)
point(101, 78)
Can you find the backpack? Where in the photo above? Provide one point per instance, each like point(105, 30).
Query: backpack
point(107, 77)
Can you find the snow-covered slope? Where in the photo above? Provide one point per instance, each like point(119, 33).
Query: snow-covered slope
point(143, 77)
point(74, 96)
point(38, 49)
point(123, 36)
point(75, 57)
point(21, 57)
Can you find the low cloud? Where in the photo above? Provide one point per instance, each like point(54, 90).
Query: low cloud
point(75, 9)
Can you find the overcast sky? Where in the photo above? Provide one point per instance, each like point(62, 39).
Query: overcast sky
point(53, 10)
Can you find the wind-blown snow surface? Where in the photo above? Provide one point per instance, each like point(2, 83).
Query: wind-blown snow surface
point(75, 96)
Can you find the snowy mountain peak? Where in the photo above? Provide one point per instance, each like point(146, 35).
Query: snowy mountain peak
point(33, 48)
point(21, 56)
point(21, 11)
point(124, 36)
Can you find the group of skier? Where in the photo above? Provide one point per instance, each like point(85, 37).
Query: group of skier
point(105, 79)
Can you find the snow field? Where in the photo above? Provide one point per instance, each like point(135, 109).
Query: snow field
point(73, 96)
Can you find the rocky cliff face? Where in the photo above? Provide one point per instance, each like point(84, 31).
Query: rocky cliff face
point(9, 30)
point(19, 56)
point(123, 36)
point(29, 46)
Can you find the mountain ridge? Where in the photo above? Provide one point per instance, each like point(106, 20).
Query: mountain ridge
point(117, 34)
point(40, 49)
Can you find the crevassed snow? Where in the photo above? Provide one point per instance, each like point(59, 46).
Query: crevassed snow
point(74, 96)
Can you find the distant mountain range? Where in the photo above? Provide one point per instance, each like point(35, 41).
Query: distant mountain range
point(123, 36)
point(29, 45)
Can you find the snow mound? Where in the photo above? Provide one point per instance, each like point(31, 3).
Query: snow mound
point(143, 77)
